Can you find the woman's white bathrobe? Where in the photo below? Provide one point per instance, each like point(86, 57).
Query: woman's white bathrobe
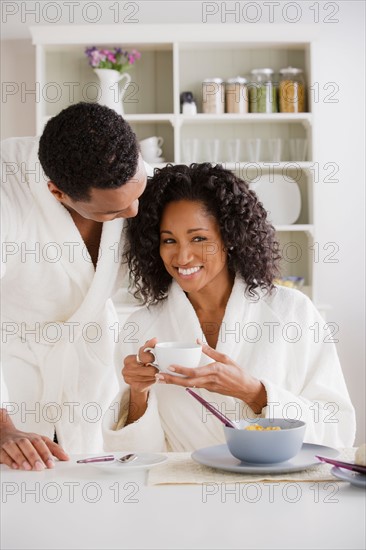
point(59, 326)
point(281, 340)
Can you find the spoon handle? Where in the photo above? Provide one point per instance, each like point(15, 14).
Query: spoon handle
point(346, 465)
point(224, 419)
point(96, 459)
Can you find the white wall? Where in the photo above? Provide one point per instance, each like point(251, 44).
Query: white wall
point(338, 137)
point(17, 73)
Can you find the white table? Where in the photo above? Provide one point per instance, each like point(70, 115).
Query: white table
point(77, 507)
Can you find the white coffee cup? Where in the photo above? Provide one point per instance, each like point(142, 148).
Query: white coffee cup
point(153, 141)
point(151, 148)
point(186, 354)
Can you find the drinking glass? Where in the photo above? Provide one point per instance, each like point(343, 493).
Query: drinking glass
point(253, 149)
point(233, 150)
point(298, 148)
point(191, 150)
point(274, 149)
point(212, 150)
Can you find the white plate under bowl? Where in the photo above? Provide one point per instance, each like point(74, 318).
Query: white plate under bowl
point(280, 196)
point(359, 480)
point(144, 461)
point(219, 457)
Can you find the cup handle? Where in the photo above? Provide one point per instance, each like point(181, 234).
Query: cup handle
point(154, 364)
point(160, 141)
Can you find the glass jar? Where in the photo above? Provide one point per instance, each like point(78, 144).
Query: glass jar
point(236, 95)
point(213, 96)
point(292, 90)
point(262, 92)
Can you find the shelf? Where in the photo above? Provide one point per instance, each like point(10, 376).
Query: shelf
point(141, 118)
point(175, 59)
point(303, 118)
point(267, 165)
point(305, 228)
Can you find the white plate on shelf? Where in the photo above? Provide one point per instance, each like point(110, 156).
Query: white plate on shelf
point(144, 461)
point(280, 196)
point(354, 478)
point(219, 457)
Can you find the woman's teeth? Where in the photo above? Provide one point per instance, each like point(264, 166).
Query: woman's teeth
point(189, 271)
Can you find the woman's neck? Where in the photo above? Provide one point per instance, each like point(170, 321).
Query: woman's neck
point(213, 297)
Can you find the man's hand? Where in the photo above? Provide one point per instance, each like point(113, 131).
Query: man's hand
point(27, 451)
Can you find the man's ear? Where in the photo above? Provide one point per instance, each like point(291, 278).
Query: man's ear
point(56, 192)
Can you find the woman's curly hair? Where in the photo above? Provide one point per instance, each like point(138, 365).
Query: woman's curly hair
point(248, 237)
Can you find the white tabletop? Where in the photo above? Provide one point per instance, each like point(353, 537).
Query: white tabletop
point(79, 507)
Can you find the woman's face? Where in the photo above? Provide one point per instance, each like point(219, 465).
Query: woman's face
point(191, 246)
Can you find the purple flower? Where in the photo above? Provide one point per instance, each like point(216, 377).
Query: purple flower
point(115, 58)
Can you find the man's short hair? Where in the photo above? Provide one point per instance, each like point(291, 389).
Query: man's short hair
point(88, 145)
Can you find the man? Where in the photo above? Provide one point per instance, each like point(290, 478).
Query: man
point(60, 265)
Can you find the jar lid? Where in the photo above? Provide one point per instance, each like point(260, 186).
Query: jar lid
point(216, 80)
point(262, 71)
point(236, 80)
point(290, 70)
point(186, 97)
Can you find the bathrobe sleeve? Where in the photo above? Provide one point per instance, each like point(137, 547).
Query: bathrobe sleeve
point(322, 400)
point(146, 434)
point(15, 202)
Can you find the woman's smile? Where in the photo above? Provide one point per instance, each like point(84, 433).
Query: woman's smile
point(189, 272)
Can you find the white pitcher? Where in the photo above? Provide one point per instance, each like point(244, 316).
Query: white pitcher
point(111, 92)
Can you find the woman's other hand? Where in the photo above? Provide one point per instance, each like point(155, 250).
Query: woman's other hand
point(222, 376)
point(137, 370)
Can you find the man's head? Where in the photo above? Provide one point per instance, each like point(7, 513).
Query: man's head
point(91, 157)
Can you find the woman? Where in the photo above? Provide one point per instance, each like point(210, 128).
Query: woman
point(203, 258)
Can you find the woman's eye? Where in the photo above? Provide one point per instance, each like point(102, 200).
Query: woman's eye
point(199, 239)
point(168, 241)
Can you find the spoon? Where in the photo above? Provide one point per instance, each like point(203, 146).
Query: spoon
point(127, 458)
point(224, 419)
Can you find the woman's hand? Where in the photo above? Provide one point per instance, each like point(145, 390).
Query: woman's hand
point(222, 376)
point(140, 376)
point(28, 451)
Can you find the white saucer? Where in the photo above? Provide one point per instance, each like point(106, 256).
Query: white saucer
point(157, 160)
point(220, 457)
point(354, 478)
point(144, 461)
point(280, 197)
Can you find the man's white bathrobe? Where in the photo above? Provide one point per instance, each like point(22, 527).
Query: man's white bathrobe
point(59, 326)
point(280, 339)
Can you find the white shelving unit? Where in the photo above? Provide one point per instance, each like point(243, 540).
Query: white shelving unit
point(175, 59)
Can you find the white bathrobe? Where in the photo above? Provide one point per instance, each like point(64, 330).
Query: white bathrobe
point(59, 326)
point(280, 339)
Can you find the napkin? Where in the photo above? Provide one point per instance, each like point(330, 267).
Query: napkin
point(181, 469)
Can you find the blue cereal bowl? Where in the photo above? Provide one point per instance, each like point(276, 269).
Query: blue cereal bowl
point(262, 446)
